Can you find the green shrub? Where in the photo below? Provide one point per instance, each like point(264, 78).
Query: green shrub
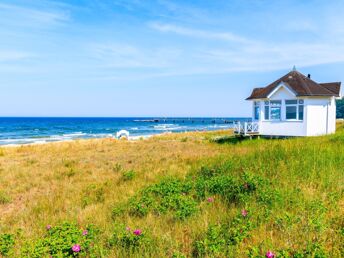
point(129, 239)
point(128, 175)
point(219, 239)
point(170, 195)
point(6, 244)
point(59, 240)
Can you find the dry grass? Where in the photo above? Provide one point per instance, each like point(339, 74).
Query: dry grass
point(47, 184)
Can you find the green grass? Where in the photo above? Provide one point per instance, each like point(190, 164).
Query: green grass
point(187, 195)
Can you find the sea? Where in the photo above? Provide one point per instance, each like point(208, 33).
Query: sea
point(37, 130)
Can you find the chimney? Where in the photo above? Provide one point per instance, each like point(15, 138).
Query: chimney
point(309, 76)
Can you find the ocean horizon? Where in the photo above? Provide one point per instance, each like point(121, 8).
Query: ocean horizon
point(36, 130)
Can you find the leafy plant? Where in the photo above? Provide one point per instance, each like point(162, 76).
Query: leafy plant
point(128, 175)
point(219, 239)
point(128, 238)
point(60, 240)
point(6, 243)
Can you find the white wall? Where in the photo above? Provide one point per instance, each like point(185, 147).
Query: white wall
point(282, 127)
point(319, 117)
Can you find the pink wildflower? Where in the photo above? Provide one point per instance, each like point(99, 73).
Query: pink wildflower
point(127, 228)
point(244, 213)
point(76, 248)
point(270, 254)
point(210, 199)
point(137, 232)
point(48, 227)
point(84, 233)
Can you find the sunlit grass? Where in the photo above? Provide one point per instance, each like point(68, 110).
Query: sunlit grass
point(298, 205)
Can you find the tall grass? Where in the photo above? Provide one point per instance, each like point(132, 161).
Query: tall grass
point(175, 196)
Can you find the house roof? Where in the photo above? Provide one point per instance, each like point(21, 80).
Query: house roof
point(300, 84)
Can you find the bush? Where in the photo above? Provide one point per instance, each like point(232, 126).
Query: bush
point(59, 241)
point(129, 239)
point(170, 195)
point(219, 239)
point(128, 175)
point(6, 243)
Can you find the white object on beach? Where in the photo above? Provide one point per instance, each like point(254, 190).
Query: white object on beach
point(122, 134)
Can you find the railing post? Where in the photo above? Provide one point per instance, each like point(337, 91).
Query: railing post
point(245, 128)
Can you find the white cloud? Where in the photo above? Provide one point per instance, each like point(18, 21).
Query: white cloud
point(225, 36)
point(11, 14)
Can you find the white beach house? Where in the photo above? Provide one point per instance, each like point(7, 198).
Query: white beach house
point(293, 105)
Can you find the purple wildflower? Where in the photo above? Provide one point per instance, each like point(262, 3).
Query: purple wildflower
point(76, 248)
point(270, 254)
point(137, 232)
point(210, 199)
point(244, 213)
point(84, 233)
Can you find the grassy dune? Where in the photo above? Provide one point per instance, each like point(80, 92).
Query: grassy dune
point(185, 195)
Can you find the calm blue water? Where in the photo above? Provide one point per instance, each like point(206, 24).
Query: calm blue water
point(15, 130)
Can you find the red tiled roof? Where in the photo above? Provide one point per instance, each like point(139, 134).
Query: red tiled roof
point(300, 84)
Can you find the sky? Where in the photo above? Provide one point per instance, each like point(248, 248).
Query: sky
point(158, 57)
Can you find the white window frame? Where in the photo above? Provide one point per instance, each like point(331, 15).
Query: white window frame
point(271, 107)
point(299, 102)
point(256, 104)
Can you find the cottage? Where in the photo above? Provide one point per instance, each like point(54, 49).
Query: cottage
point(293, 105)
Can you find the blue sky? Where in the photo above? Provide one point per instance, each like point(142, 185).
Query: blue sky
point(159, 57)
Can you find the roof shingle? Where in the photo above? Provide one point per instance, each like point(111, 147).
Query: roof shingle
point(300, 84)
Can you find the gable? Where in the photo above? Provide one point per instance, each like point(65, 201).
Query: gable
point(282, 91)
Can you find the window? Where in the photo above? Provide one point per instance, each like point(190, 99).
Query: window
point(291, 109)
point(294, 109)
point(256, 110)
point(266, 110)
point(275, 110)
point(300, 109)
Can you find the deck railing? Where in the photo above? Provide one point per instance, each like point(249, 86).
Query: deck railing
point(246, 128)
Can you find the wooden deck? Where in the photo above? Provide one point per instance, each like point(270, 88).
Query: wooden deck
point(246, 129)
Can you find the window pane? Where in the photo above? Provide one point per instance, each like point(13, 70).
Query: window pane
point(291, 112)
point(266, 102)
point(266, 114)
point(275, 103)
point(256, 113)
point(300, 112)
point(275, 113)
point(290, 102)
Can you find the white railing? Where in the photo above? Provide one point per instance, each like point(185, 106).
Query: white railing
point(246, 128)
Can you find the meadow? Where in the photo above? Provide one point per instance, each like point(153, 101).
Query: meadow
point(201, 194)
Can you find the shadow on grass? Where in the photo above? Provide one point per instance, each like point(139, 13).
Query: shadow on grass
point(227, 139)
